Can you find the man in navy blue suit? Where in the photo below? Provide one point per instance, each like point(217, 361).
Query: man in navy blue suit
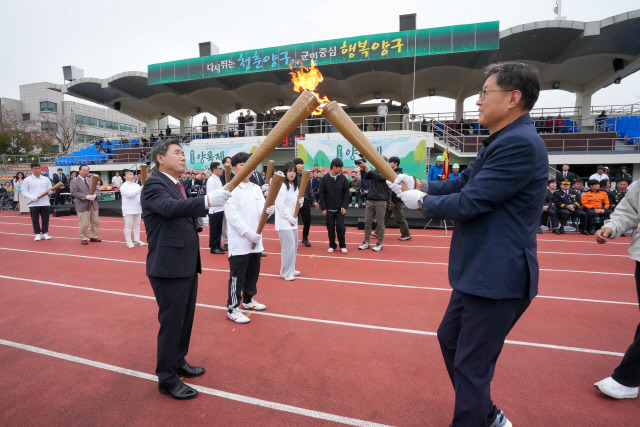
point(173, 262)
point(493, 265)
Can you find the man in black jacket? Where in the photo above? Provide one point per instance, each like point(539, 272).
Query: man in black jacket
point(305, 210)
point(620, 176)
point(549, 209)
point(333, 197)
point(376, 205)
point(396, 205)
point(173, 262)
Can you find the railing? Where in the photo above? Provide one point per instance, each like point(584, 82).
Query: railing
point(28, 158)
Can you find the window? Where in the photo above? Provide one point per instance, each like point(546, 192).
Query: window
point(49, 126)
point(26, 117)
point(49, 106)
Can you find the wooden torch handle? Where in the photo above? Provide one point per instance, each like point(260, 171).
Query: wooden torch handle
point(274, 189)
point(54, 188)
point(270, 166)
point(301, 190)
point(94, 184)
point(143, 174)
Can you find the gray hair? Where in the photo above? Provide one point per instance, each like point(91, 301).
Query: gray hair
point(160, 148)
point(516, 76)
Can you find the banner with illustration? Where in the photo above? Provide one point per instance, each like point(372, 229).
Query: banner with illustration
point(412, 151)
point(199, 157)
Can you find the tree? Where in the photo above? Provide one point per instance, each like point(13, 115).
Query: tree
point(14, 138)
point(62, 130)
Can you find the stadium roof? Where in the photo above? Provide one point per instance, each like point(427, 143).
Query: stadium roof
point(577, 56)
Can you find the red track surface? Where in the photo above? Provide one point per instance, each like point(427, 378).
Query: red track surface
point(353, 337)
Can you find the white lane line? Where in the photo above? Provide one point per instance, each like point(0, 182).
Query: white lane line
point(319, 279)
point(205, 390)
point(53, 227)
point(315, 320)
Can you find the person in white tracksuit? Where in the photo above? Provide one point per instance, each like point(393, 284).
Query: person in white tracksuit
point(131, 209)
point(286, 223)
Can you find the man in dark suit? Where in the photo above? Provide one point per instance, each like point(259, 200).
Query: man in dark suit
point(333, 197)
point(59, 177)
point(256, 178)
point(493, 265)
point(565, 173)
point(173, 262)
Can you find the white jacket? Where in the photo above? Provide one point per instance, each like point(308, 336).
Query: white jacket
point(625, 217)
point(243, 211)
point(32, 187)
point(214, 183)
point(285, 207)
point(130, 193)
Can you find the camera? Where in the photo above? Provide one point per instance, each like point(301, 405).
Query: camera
point(360, 160)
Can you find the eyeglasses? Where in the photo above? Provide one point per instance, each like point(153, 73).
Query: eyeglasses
point(483, 93)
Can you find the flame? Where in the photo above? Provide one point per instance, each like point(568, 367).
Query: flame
point(308, 78)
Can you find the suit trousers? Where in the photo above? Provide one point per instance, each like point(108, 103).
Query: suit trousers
point(215, 229)
point(288, 250)
point(591, 217)
point(564, 215)
point(38, 212)
point(176, 300)
point(335, 224)
point(305, 214)
point(86, 217)
point(132, 224)
point(628, 372)
point(377, 209)
point(471, 337)
point(244, 271)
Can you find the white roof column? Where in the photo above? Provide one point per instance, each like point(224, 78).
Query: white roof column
point(459, 109)
point(583, 101)
point(222, 121)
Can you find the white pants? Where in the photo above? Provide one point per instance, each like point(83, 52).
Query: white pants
point(250, 130)
point(288, 250)
point(132, 222)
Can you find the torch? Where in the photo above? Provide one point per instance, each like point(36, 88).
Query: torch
point(278, 179)
point(227, 173)
point(94, 184)
point(54, 188)
point(303, 187)
point(270, 166)
point(300, 110)
point(343, 123)
point(143, 174)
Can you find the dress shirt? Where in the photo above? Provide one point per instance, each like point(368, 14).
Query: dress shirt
point(175, 181)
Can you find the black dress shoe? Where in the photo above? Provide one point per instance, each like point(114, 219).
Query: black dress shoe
point(556, 231)
point(189, 371)
point(539, 230)
point(306, 243)
point(218, 251)
point(225, 248)
point(179, 391)
point(562, 230)
point(84, 242)
point(95, 240)
point(262, 254)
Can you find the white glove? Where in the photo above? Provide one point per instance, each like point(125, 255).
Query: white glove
point(407, 180)
point(412, 198)
point(218, 197)
point(253, 237)
point(34, 200)
point(265, 189)
point(271, 210)
point(90, 196)
point(293, 222)
point(394, 187)
point(301, 201)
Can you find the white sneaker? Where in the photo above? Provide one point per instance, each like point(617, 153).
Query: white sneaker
point(140, 243)
point(45, 236)
point(253, 305)
point(343, 250)
point(237, 316)
point(38, 238)
point(289, 278)
point(330, 250)
point(613, 388)
point(131, 245)
point(377, 247)
point(296, 273)
point(364, 245)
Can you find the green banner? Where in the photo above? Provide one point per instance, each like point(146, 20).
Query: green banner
point(403, 44)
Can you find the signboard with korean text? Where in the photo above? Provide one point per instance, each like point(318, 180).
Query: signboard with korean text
point(402, 44)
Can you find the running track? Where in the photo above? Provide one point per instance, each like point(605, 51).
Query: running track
point(351, 341)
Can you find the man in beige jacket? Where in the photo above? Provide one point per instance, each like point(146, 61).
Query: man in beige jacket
point(86, 206)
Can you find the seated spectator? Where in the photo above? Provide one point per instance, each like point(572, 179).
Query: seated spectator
point(374, 123)
point(605, 185)
point(365, 185)
point(568, 204)
point(595, 203)
point(558, 124)
point(617, 194)
point(599, 175)
point(600, 120)
point(354, 189)
point(160, 135)
point(424, 126)
point(578, 186)
point(623, 175)
point(549, 209)
point(549, 125)
point(541, 125)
